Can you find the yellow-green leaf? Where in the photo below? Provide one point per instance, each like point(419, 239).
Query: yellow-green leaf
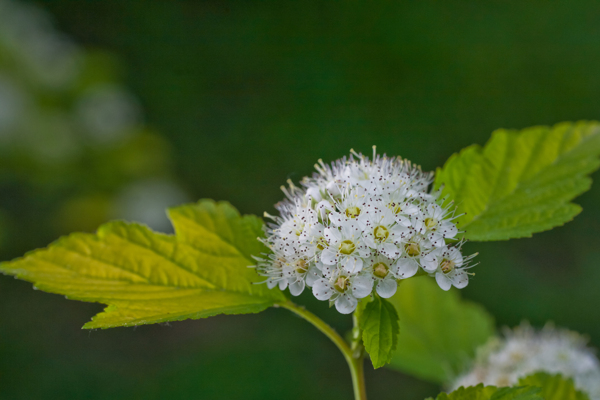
point(554, 387)
point(481, 392)
point(146, 277)
point(521, 182)
point(439, 332)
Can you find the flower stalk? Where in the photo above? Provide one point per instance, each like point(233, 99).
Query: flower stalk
point(354, 353)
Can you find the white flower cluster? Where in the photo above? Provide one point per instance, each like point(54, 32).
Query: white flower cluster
point(359, 226)
point(524, 351)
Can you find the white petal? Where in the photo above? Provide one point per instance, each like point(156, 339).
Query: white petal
point(350, 229)
point(333, 235)
point(434, 210)
point(317, 230)
point(402, 220)
point(352, 265)
point(387, 288)
point(346, 304)
point(290, 251)
point(460, 279)
point(314, 193)
point(328, 270)
point(456, 256)
point(297, 287)
point(443, 281)
point(271, 283)
point(429, 262)
point(387, 216)
point(322, 289)
point(410, 209)
point(362, 286)
point(333, 188)
point(448, 229)
point(283, 284)
point(365, 219)
point(288, 271)
point(329, 257)
point(319, 265)
point(363, 250)
point(390, 250)
point(405, 268)
point(337, 218)
point(417, 222)
point(368, 239)
point(399, 232)
point(307, 251)
point(437, 239)
point(304, 236)
point(313, 274)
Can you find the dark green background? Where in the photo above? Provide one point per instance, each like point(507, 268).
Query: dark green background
point(252, 93)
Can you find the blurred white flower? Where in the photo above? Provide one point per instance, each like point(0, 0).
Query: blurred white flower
point(50, 58)
point(12, 104)
point(108, 113)
point(146, 201)
point(524, 351)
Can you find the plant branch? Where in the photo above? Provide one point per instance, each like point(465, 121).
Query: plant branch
point(353, 358)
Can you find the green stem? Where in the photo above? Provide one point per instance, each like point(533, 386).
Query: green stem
point(353, 358)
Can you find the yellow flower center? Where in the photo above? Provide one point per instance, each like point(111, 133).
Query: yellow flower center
point(395, 207)
point(341, 284)
point(347, 247)
point(430, 223)
point(412, 249)
point(380, 270)
point(279, 263)
point(381, 233)
point(447, 266)
point(352, 212)
point(322, 243)
point(301, 266)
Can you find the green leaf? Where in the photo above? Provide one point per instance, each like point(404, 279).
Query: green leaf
point(379, 324)
point(439, 332)
point(521, 182)
point(554, 387)
point(146, 277)
point(481, 392)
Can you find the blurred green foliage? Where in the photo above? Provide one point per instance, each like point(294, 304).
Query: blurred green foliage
point(252, 93)
point(439, 332)
point(73, 144)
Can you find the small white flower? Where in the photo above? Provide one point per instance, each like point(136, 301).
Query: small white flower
point(346, 247)
point(300, 273)
point(414, 255)
point(296, 226)
point(383, 272)
point(343, 291)
point(448, 266)
point(400, 205)
point(272, 268)
point(434, 223)
point(351, 205)
point(382, 233)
